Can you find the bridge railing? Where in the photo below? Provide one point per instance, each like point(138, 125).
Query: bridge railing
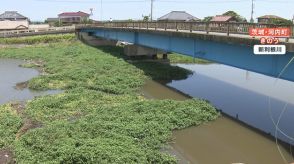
point(207, 27)
point(17, 32)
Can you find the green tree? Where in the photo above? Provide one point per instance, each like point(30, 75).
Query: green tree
point(282, 22)
point(207, 19)
point(146, 18)
point(58, 24)
point(238, 17)
point(86, 21)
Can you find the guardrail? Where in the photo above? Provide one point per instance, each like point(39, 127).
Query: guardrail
point(207, 27)
point(36, 31)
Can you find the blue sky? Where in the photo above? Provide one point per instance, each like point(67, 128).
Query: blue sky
point(38, 10)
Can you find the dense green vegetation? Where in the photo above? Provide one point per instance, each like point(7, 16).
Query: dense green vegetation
point(38, 39)
point(10, 123)
point(177, 58)
point(100, 117)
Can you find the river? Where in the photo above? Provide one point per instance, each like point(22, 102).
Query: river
point(234, 91)
point(12, 74)
point(243, 95)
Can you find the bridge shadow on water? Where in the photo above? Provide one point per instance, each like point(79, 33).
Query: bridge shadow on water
point(157, 69)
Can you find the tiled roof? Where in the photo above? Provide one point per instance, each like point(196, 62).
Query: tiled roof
point(271, 17)
point(52, 19)
point(80, 13)
point(221, 18)
point(178, 16)
point(12, 15)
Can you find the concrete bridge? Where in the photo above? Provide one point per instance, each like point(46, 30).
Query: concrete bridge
point(226, 43)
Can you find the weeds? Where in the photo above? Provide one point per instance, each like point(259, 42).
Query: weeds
point(100, 117)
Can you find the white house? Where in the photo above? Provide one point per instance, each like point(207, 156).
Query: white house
point(11, 20)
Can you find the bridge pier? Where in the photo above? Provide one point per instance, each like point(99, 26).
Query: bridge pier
point(95, 41)
point(136, 50)
point(164, 56)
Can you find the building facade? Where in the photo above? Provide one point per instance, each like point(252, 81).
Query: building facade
point(12, 20)
point(69, 18)
point(268, 19)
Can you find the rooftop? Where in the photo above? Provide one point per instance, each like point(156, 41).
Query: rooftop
point(221, 18)
point(52, 19)
point(178, 15)
point(270, 17)
point(12, 15)
point(79, 13)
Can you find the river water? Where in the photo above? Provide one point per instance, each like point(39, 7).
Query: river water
point(235, 91)
point(10, 75)
point(240, 94)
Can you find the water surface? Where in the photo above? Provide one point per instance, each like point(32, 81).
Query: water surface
point(253, 98)
point(10, 75)
point(221, 141)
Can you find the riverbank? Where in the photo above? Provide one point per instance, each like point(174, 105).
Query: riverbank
point(101, 117)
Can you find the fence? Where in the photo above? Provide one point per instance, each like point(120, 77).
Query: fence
point(206, 27)
point(36, 31)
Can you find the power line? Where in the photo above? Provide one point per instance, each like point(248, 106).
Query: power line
point(71, 1)
point(151, 15)
point(166, 1)
point(208, 2)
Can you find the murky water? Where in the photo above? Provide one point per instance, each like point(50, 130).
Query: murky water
point(223, 140)
point(155, 90)
point(255, 99)
point(10, 75)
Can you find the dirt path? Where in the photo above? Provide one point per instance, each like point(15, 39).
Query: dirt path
point(6, 157)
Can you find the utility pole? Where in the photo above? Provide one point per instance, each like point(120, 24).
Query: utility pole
point(252, 11)
point(91, 10)
point(101, 10)
point(151, 15)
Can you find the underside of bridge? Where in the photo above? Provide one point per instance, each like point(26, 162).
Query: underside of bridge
point(224, 50)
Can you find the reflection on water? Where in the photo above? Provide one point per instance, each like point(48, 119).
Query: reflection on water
point(251, 97)
point(221, 141)
point(10, 75)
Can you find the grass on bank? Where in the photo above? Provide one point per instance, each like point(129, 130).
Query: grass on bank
point(178, 58)
point(38, 39)
point(100, 117)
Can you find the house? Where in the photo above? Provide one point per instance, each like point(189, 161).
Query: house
point(12, 20)
point(69, 18)
point(178, 16)
point(223, 18)
point(52, 21)
point(12, 16)
point(268, 18)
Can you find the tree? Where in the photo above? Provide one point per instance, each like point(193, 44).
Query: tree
point(238, 17)
point(86, 21)
point(58, 24)
point(282, 22)
point(207, 19)
point(146, 18)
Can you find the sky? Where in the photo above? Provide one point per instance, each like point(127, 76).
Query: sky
point(39, 10)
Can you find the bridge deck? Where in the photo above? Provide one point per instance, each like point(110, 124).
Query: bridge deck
point(231, 38)
point(233, 48)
